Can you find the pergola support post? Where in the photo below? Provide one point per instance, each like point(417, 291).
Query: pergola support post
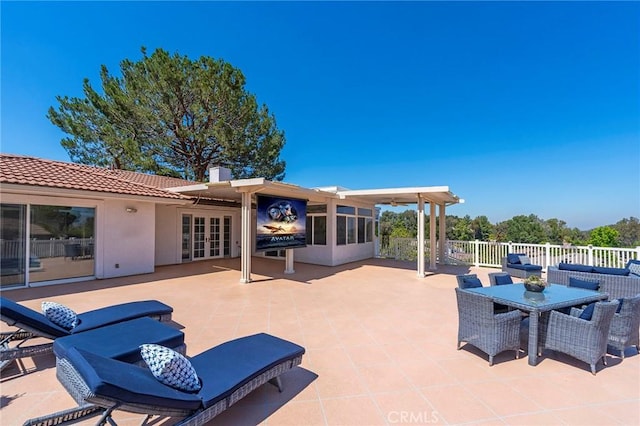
point(432, 236)
point(443, 235)
point(421, 269)
point(245, 256)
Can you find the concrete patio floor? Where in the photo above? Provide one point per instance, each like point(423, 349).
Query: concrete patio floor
point(380, 350)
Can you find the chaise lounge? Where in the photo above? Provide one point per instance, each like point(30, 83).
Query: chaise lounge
point(30, 324)
point(518, 265)
point(226, 374)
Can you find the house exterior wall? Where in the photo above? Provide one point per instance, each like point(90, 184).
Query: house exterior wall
point(167, 235)
point(128, 238)
point(121, 238)
point(168, 230)
point(333, 254)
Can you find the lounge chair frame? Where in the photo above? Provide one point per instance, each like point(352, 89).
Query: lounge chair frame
point(92, 405)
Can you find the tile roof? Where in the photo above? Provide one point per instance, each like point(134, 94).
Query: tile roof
point(32, 171)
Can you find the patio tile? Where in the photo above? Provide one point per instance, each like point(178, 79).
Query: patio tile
point(383, 377)
point(339, 381)
point(298, 413)
point(406, 407)
point(380, 349)
point(448, 401)
point(360, 410)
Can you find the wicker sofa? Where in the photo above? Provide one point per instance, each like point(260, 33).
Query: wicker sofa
point(618, 282)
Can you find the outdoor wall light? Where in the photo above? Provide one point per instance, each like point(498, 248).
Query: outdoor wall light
point(131, 210)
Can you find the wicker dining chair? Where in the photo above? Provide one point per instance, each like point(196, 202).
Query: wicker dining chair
point(499, 278)
point(625, 326)
point(479, 326)
point(582, 339)
point(468, 281)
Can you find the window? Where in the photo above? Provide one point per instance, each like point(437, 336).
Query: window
point(46, 243)
point(316, 225)
point(354, 225)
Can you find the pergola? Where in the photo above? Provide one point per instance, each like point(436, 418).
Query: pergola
point(434, 195)
point(241, 191)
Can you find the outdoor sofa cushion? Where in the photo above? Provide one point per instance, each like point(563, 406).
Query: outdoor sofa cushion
point(611, 271)
point(588, 285)
point(575, 267)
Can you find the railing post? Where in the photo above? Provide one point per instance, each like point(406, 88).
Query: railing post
point(590, 255)
point(547, 256)
point(638, 252)
point(476, 253)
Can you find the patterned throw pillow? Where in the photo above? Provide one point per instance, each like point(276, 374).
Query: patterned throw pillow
point(634, 267)
point(170, 368)
point(60, 315)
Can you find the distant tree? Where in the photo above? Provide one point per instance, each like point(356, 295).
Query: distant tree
point(174, 116)
point(604, 236)
point(524, 229)
point(463, 230)
point(629, 231)
point(483, 230)
point(556, 231)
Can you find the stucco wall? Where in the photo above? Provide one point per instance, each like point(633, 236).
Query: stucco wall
point(128, 238)
point(167, 232)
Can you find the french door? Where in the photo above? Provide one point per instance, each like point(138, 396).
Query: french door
point(209, 236)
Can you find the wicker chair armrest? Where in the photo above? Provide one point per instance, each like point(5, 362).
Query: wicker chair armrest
point(576, 312)
point(564, 321)
point(508, 316)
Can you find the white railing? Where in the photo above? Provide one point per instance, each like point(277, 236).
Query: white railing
point(482, 253)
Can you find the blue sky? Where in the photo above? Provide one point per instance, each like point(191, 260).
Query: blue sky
point(528, 107)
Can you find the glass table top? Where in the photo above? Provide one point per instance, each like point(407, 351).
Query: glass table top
point(553, 295)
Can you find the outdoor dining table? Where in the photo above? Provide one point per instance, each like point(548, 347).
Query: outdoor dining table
point(554, 296)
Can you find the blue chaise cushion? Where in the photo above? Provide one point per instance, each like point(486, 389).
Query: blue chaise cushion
point(503, 279)
point(611, 271)
point(526, 267)
point(514, 258)
point(633, 265)
point(118, 313)
point(21, 314)
point(471, 282)
point(587, 313)
point(589, 285)
point(128, 382)
point(226, 367)
point(120, 341)
point(575, 267)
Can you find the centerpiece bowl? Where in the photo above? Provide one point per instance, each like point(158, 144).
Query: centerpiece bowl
point(535, 284)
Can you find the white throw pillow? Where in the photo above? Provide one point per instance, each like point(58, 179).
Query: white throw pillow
point(60, 315)
point(170, 368)
point(524, 260)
